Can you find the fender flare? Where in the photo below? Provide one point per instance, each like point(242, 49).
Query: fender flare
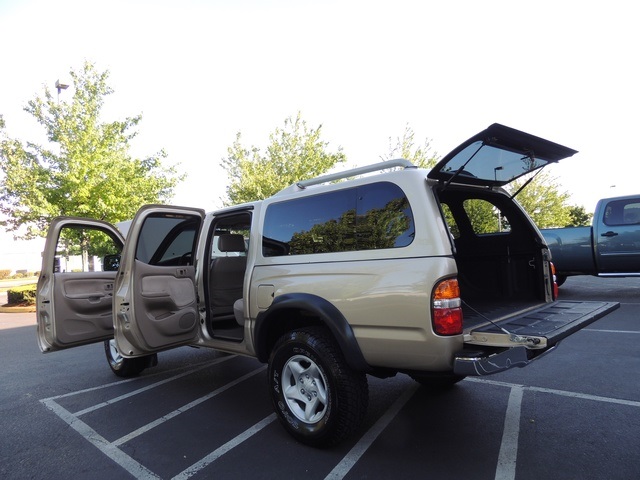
point(328, 315)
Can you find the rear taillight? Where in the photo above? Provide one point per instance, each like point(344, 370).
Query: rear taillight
point(446, 310)
point(553, 280)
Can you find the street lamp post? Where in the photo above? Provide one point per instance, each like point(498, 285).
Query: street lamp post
point(60, 87)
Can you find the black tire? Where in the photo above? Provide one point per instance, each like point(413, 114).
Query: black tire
point(126, 367)
point(437, 381)
point(318, 398)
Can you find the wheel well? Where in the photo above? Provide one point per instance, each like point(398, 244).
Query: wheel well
point(294, 311)
point(286, 321)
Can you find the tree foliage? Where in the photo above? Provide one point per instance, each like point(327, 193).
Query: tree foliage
point(295, 152)
point(405, 147)
point(544, 200)
point(85, 169)
point(579, 216)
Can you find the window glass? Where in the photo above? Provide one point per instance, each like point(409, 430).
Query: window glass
point(489, 163)
point(168, 240)
point(81, 249)
point(622, 212)
point(369, 217)
point(485, 217)
point(238, 224)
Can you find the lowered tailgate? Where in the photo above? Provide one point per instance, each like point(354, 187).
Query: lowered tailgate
point(514, 342)
point(550, 324)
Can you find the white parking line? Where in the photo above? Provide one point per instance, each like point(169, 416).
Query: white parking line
point(114, 453)
point(185, 408)
point(552, 391)
point(350, 459)
point(506, 469)
point(609, 331)
point(507, 457)
point(112, 450)
point(218, 452)
point(137, 379)
point(149, 387)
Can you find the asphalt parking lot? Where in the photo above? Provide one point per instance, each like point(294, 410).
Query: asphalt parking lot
point(574, 414)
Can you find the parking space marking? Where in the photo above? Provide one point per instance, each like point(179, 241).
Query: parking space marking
point(149, 387)
point(183, 409)
point(507, 456)
point(218, 452)
point(610, 331)
point(552, 391)
point(137, 379)
point(350, 459)
point(506, 469)
point(112, 450)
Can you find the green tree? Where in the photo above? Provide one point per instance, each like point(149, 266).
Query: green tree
point(405, 147)
point(543, 200)
point(579, 216)
point(85, 169)
point(295, 152)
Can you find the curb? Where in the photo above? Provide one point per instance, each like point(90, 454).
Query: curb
point(8, 309)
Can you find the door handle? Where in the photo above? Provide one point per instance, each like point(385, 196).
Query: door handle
point(609, 234)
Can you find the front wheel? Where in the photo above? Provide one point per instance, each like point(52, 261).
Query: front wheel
point(126, 367)
point(318, 398)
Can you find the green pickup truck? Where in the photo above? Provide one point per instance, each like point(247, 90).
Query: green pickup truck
point(608, 248)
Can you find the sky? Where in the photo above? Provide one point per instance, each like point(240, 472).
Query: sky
point(200, 71)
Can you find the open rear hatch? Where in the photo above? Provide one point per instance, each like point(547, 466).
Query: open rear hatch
point(497, 156)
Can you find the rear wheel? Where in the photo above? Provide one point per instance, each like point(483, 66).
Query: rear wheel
point(126, 367)
point(318, 398)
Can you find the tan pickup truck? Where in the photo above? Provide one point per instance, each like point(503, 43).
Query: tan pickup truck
point(379, 270)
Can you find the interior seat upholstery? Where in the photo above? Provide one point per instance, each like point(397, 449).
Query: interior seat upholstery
point(226, 276)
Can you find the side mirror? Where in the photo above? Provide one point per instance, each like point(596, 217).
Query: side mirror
point(111, 263)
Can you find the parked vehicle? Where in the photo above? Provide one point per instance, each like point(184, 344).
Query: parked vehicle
point(608, 248)
point(330, 280)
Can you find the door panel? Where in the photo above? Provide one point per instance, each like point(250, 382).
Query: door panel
point(168, 310)
point(83, 307)
point(156, 303)
point(618, 236)
point(75, 294)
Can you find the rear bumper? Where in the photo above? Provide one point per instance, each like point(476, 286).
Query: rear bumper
point(479, 363)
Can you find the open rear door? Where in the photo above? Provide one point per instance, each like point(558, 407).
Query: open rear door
point(156, 305)
point(76, 283)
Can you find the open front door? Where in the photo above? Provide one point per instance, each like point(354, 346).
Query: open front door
point(156, 305)
point(76, 284)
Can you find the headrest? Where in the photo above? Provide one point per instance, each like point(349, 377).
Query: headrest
point(231, 243)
